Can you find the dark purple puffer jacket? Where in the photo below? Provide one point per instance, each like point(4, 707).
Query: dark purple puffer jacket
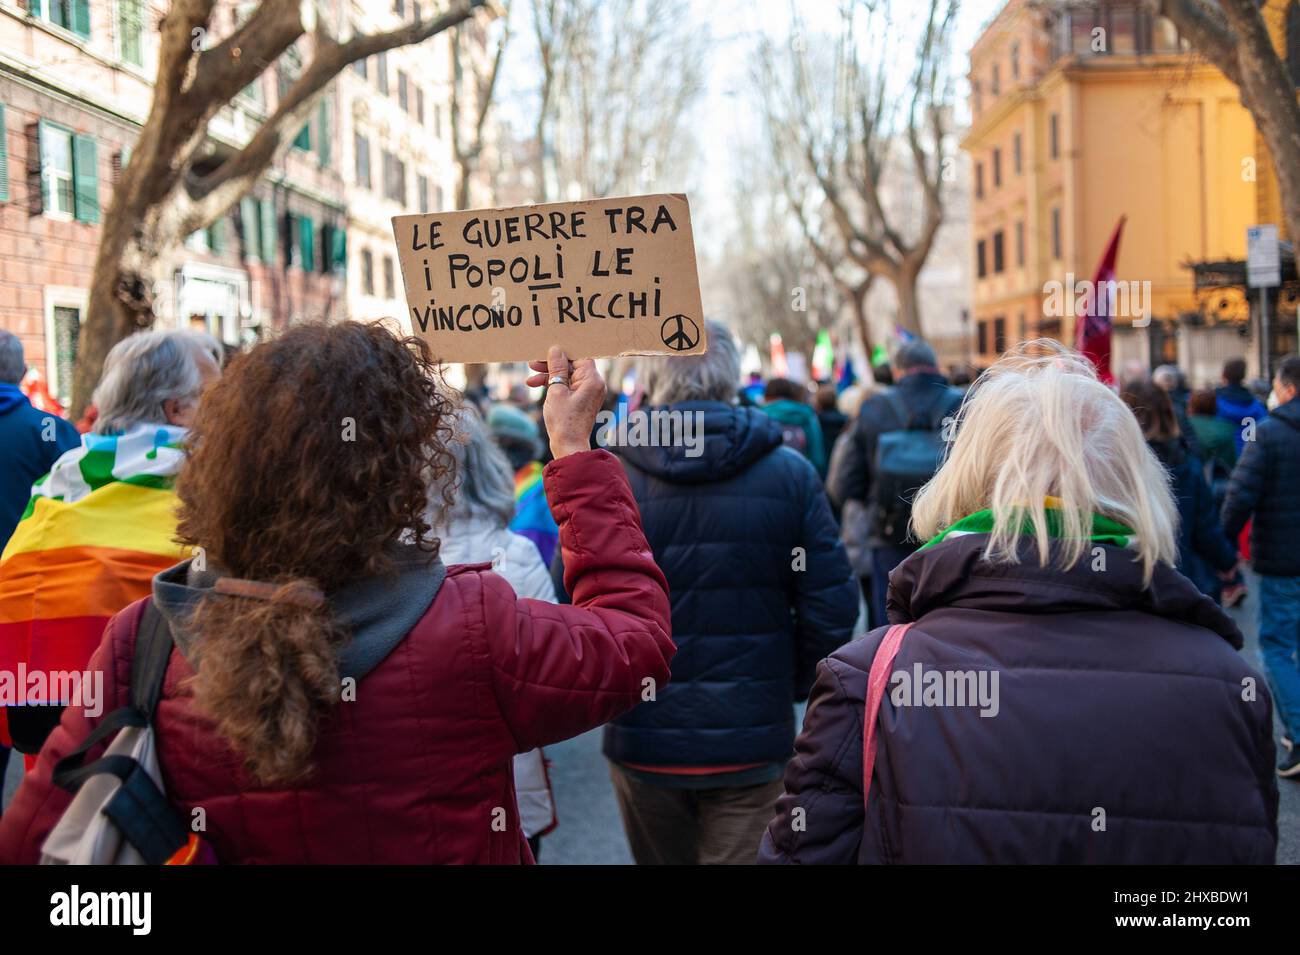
point(1121, 734)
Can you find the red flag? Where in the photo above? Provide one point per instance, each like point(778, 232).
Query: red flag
point(1092, 330)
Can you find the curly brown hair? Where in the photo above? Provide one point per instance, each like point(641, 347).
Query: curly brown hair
point(309, 459)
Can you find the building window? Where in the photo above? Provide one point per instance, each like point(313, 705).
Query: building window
point(981, 259)
point(399, 7)
point(1017, 153)
point(390, 280)
point(1015, 61)
point(381, 73)
point(999, 260)
point(419, 105)
point(394, 178)
point(1020, 244)
point(997, 168)
point(130, 31)
point(1056, 233)
point(72, 15)
point(362, 149)
point(1054, 135)
point(403, 92)
point(422, 192)
point(367, 272)
point(69, 172)
point(56, 169)
point(995, 84)
point(437, 119)
point(999, 335)
point(977, 96)
point(361, 66)
point(982, 333)
point(979, 180)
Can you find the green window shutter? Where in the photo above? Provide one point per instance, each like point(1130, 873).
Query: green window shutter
point(85, 178)
point(34, 7)
point(217, 237)
point(307, 242)
point(4, 158)
point(323, 132)
point(248, 223)
point(81, 18)
point(303, 139)
point(325, 246)
point(339, 249)
point(268, 231)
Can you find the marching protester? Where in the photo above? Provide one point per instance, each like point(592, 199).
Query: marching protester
point(1217, 437)
point(1053, 690)
point(1236, 405)
point(786, 402)
point(761, 591)
point(919, 402)
point(102, 522)
point(1265, 485)
point(519, 437)
point(336, 693)
point(474, 531)
point(829, 416)
point(1205, 556)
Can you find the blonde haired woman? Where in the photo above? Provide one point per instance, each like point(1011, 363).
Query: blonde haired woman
point(1062, 694)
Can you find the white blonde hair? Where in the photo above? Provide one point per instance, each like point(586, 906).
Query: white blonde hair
point(1038, 423)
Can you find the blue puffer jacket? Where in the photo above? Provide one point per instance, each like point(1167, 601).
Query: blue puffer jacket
point(1236, 405)
point(727, 527)
point(31, 441)
point(1266, 483)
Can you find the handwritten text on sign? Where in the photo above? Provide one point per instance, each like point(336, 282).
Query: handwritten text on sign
point(598, 278)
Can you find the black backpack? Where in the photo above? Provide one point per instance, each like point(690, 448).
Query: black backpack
point(906, 458)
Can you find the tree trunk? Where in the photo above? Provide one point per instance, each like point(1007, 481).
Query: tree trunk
point(858, 299)
point(909, 306)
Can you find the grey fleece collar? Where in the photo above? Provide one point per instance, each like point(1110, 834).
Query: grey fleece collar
point(378, 611)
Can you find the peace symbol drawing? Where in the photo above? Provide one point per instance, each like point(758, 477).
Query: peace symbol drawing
point(679, 333)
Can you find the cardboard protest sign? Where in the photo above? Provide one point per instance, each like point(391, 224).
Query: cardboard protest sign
point(599, 278)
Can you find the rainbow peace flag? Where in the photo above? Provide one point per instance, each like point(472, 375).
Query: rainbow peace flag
point(96, 530)
point(532, 514)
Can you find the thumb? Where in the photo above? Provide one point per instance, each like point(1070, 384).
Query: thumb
point(557, 363)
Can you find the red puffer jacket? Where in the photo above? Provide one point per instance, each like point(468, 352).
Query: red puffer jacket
point(417, 769)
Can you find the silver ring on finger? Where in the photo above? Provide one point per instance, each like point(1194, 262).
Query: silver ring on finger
point(558, 380)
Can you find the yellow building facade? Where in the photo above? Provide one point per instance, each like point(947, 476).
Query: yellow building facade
point(1083, 113)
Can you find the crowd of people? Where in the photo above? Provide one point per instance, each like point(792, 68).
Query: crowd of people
point(379, 600)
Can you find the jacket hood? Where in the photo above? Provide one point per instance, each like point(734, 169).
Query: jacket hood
point(11, 397)
point(952, 573)
point(378, 611)
point(1237, 397)
point(721, 440)
point(1289, 412)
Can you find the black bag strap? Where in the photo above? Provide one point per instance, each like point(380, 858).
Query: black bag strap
point(153, 649)
point(153, 652)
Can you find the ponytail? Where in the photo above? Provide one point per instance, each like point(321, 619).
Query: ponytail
point(267, 671)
